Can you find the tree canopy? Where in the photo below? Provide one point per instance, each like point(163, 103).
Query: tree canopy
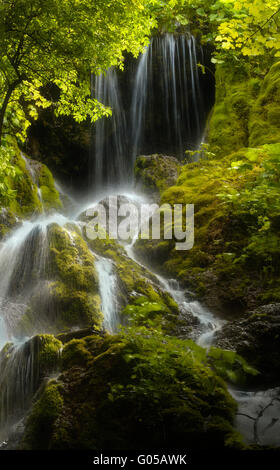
point(62, 42)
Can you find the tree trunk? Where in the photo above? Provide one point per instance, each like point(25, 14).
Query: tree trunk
point(3, 109)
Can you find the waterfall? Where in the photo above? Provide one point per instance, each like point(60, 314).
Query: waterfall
point(110, 150)
point(19, 380)
point(108, 293)
point(158, 105)
point(23, 264)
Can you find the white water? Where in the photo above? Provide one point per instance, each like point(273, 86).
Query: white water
point(108, 284)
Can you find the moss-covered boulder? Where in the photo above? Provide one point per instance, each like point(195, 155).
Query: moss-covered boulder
point(155, 173)
point(47, 190)
point(139, 390)
point(66, 294)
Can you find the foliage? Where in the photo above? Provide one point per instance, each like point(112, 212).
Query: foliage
point(259, 202)
point(250, 27)
point(137, 389)
point(61, 42)
point(152, 314)
point(235, 27)
point(7, 171)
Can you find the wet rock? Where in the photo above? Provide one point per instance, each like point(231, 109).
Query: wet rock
point(112, 207)
point(257, 338)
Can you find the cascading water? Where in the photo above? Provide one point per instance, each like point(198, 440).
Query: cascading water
point(158, 105)
point(109, 152)
point(108, 293)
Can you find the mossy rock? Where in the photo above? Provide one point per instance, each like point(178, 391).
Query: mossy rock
point(45, 412)
point(138, 390)
point(236, 92)
point(49, 193)
point(27, 201)
point(246, 112)
point(155, 173)
point(33, 186)
point(67, 293)
point(134, 280)
point(75, 287)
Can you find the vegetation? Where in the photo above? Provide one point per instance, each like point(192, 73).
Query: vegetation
point(169, 391)
point(235, 189)
point(144, 387)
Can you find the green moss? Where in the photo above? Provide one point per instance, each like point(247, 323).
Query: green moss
point(265, 116)
point(50, 195)
point(76, 353)
point(76, 288)
point(71, 259)
point(134, 279)
point(40, 423)
point(27, 201)
point(156, 172)
point(236, 92)
point(8, 221)
point(75, 307)
point(168, 390)
point(29, 175)
point(49, 352)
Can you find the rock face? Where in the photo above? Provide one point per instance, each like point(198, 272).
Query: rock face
point(257, 338)
point(155, 173)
